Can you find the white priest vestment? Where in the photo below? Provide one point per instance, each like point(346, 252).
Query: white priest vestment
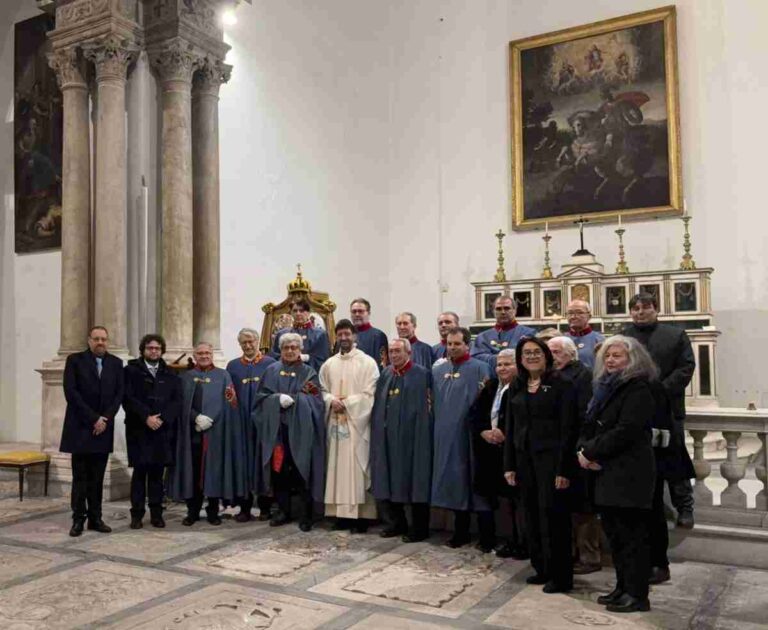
point(351, 378)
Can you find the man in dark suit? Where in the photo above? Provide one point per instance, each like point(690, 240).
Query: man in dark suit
point(93, 387)
point(671, 349)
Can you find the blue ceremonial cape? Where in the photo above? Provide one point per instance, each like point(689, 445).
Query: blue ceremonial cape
point(492, 341)
point(226, 475)
point(246, 377)
point(374, 343)
point(455, 389)
point(401, 436)
point(438, 351)
point(421, 354)
point(305, 420)
point(585, 344)
point(316, 345)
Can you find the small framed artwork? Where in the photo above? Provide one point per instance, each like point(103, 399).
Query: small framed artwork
point(581, 292)
point(553, 303)
point(524, 304)
point(616, 300)
point(488, 300)
point(685, 297)
point(651, 289)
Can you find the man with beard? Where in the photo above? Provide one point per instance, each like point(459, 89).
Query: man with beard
point(152, 404)
point(348, 380)
point(290, 434)
point(505, 334)
point(401, 445)
point(210, 446)
point(247, 372)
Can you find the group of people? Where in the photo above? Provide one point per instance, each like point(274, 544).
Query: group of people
point(572, 430)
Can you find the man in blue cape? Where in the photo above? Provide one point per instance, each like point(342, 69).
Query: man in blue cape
point(290, 434)
point(445, 321)
point(401, 444)
point(421, 353)
point(586, 339)
point(210, 445)
point(370, 340)
point(505, 334)
point(247, 372)
point(316, 345)
point(457, 384)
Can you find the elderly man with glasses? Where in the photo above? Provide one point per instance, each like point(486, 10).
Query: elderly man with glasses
point(579, 313)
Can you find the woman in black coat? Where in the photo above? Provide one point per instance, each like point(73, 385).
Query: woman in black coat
point(615, 443)
point(487, 418)
point(152, 405)
point(540, 457)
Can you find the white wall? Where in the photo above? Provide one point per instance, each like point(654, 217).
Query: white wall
point(370, 142)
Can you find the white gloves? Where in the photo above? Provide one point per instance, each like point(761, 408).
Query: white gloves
point(439, 362)
point(286, 401)
point(203, 423)
point(305, 358)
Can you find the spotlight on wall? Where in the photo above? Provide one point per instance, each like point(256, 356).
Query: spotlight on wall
point(228, 17)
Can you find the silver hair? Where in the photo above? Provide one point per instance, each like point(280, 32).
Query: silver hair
point(507, 352)
point(584, 302)
point(204, 343)
point(247, 331)
point(548, 333)
point(409, 314)
point(567, 344)
point(405, 342)
point(291, 338)
point(640, 362)
point(452, 314)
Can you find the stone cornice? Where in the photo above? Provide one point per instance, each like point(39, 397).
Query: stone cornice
point(78, 21)
point(111, 56)
point(191, 20)
point(69, 68)
point(211, 73)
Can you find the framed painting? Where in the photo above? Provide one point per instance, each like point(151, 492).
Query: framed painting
point(37, 129)
point(595, 122)
point(489, 299)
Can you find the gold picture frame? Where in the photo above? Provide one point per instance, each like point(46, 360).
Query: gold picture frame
point(595, 122)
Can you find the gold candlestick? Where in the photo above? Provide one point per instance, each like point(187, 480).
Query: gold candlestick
point(501, 275)
point(622, 266)
point(547, 271)
point(687, 263)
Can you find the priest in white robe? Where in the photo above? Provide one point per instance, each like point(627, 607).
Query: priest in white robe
point(348, 380)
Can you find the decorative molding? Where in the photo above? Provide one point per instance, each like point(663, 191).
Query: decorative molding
point(111, 56)
point(79, 10)
point(175, 60)
point(69, 68)
point(211, 73)
point(202, 16)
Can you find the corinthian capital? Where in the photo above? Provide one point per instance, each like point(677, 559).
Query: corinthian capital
point(175, 61)
point(69, 68)
point(211, 73)
point(111, 56)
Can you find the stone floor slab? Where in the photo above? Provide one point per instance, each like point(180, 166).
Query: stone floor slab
point(422, 578)
point(743, 604)
point(12, 509)
point(16, 562)
point(380, 621)
point(234, 607)
point(84, 594)
point(54, 529)
point(287, 559)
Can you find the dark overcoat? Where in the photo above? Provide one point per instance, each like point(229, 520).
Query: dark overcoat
point(544, 430)
point(147, 395)
point(582, 492)
point(88, 398)
point(618, 437)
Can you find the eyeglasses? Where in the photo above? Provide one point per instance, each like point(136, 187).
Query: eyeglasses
point(576, 313)
point(532, 354)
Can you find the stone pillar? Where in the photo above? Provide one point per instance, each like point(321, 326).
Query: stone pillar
point(174, 65)
point(76, 201)
point(111, 57)
point(205, 184)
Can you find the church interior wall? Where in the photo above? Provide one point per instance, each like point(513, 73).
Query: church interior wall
point(370, 142)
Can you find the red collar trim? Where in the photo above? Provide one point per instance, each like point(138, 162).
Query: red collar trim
point(505, 327)
point(443, 342)
point(253, 361)
point(306, 326)
point(585, 331)
point(364, 327)
point(412, 340)
point(460, 360)
point(403, 369)
point(205, 369)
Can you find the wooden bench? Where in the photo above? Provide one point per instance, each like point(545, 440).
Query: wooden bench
point(21, 460)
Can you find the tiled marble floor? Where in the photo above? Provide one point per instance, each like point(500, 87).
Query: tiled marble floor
point(245, 576)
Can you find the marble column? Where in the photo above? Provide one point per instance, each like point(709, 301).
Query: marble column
point(111, 57)
point(206, 232)
point(174, 65)
point(76, 201)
